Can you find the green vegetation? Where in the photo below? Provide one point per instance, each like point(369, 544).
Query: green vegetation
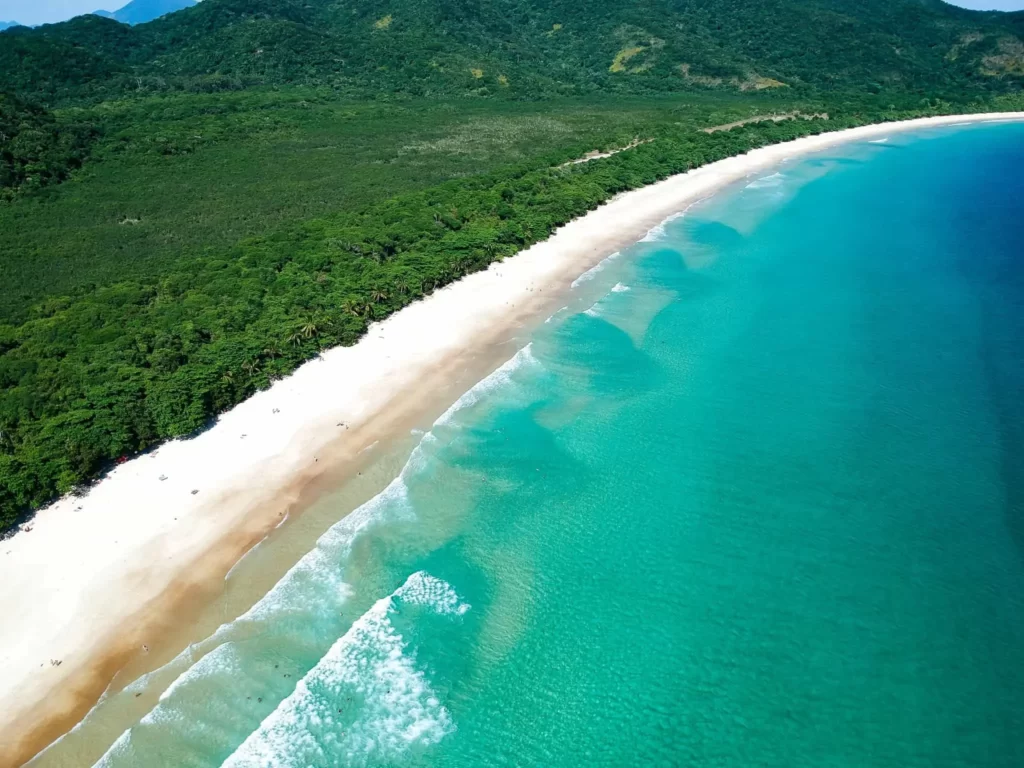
point(248, 182)
point(399, 47)
point(35, 150)
point(181, 175)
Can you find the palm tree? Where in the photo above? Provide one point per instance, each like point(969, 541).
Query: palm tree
point(377, 295)
point(251, 367)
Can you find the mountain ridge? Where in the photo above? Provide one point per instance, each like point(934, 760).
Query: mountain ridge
point(566, 47)
point(142, 11)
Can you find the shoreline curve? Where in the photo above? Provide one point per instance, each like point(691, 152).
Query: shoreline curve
point(101, 576)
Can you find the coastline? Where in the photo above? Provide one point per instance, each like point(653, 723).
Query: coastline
point(137, 548)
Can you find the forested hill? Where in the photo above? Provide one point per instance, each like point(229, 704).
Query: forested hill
point(192, 207)
point(433, 47)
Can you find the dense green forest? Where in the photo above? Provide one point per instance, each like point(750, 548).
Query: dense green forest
point(179, 175)
point(192, 207)
point(523, 47)
point(35, 149)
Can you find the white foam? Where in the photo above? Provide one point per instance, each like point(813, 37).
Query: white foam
point(879, 141)
point(767, 182)
point(555, 314)
point(74, 553)
point(654, 235)
point(318, 575)
point(117, 749)
point(320, 572)
point(501, 376)
point(658, 232)
point(222, 659)
point(369, 670)
point(595, 309)
point(244, 557)
point(423, 589)
point(325, 562)
point(592, 272)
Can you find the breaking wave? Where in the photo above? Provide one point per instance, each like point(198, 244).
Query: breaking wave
point(311, 594)
point(366, 701)
point(658, 233)
point(500, 377)
point(767, 182)
point(593, 271)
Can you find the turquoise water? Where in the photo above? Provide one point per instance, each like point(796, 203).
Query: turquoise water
point(761, 504)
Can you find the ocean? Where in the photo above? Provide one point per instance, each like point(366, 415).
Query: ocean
point(754, 497)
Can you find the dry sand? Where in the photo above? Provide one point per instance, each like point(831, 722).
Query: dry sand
point(99, 576)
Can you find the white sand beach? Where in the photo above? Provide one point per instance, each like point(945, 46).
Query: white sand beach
point(98, 577)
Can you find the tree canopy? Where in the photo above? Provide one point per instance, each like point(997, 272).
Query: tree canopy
point(115, 336)
point(523, 47)
point(36, 150)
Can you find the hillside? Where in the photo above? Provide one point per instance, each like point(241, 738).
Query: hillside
point(247, 182)
point(524, 47)
point(8, 24)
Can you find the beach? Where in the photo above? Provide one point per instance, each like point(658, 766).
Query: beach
point(98, 578)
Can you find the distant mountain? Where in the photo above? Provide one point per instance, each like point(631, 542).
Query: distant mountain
point(918, 48)
point(8, 24)
point(141, 11)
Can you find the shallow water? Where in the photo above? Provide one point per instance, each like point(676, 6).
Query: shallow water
point(758, 500)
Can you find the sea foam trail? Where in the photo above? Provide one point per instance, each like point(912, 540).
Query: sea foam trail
point(502, 376)
point(591, 273)
point(366, 701)
point(767, 182)
point(658, 233)
point(313, 587)
point(598, 307)
point(555, 314)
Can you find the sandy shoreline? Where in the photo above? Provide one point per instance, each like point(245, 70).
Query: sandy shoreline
point(100, 576)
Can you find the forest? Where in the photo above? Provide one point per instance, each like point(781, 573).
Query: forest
point(523, 48)
point(36, 150)
point(180, 226)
